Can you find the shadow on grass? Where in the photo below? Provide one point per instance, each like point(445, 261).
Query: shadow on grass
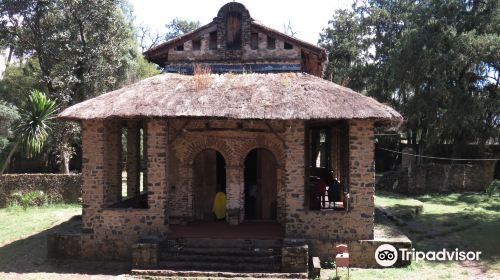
point(29, 255)
point(456, 199)
point(464, 230)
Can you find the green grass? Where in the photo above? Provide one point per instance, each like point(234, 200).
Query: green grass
point(468, 221)
point(16, 223)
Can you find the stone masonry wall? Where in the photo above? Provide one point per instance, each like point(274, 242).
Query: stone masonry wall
point(435, 177)
point(355, 224)
point(109, 233)
point(58, 187)
point(234, 145)
point(246, 54)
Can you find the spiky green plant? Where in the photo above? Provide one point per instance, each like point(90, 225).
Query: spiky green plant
point(34, 125)
point(35, 122)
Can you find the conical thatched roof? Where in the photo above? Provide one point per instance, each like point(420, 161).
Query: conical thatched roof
point(245, 96)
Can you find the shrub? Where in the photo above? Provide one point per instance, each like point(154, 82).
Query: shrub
point(492, 188)
point(33, 198)
point(328, 263)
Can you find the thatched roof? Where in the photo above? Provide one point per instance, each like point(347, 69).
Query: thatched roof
point(245, 96)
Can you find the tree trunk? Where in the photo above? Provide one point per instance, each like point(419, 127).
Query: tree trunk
point(9, 157)
point(9, 57)
point(65, 157)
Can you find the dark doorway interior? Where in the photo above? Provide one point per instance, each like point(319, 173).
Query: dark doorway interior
point(209, 177)
point(260, 185)
point(497, 170)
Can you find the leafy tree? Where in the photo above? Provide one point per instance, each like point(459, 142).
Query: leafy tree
point(149, 38)
point(178, 27)
point(8, 114)
point(435, 61)
point(84, 48)
point(32, 128)
point(19, 79)
point(145, 69)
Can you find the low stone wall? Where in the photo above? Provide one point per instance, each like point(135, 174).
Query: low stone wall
point(439, 178)
point(58, 187)
point(294, 256)
point(145, 253)
point(64, 246)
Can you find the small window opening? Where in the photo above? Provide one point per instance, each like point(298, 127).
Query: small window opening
point(288, 46)
point(327, 153)
point(179, 47)
point(196, 44)
point(124, 158)
point(213, 40)
point(133, 179)
point(254, 41)
point(271, 43)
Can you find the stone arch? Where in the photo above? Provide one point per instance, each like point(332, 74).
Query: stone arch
point(237, 17)
point(196, 147)
point(233, 7)
point(275, 148)
point(188, 152)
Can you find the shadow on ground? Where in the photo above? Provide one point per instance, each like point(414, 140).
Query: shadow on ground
point(29, 255)
point(467, 230)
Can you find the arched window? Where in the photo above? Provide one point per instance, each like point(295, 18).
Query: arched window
point(233, 31)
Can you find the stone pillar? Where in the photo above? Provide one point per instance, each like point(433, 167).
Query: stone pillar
point(294, 177)
point(362, 175)
point(157, 167)
point(113, 162)
point(93, 180)
point(133, 158)
point(234, 195)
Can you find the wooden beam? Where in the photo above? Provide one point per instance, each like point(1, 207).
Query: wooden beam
point(276, 133)
point(179, 132)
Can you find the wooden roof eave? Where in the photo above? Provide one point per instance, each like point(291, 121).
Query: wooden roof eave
point(163, 48)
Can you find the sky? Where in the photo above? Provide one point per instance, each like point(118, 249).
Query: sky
point(307, 18)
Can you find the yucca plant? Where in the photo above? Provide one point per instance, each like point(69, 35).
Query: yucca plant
point(33, 127)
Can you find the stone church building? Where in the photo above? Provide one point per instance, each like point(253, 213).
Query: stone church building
point(240, 109)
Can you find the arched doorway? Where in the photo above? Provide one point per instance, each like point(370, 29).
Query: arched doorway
point(209, 177)
point(260, 185)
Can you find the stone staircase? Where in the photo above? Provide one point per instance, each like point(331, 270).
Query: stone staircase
point(176, 258)
point(222, 255)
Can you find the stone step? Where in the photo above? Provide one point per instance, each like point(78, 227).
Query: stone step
point(254, 259)
point(176, 274)
point(227, 243)
point(220, 251)
point(216, 266)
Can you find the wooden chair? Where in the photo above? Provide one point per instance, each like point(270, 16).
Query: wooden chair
point(341, 258)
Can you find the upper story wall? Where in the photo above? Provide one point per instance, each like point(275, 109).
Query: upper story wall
point(233, 42)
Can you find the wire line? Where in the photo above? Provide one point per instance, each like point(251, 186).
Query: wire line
point(462, 159)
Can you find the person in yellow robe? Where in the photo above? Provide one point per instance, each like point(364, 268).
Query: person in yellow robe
point(219, 207)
